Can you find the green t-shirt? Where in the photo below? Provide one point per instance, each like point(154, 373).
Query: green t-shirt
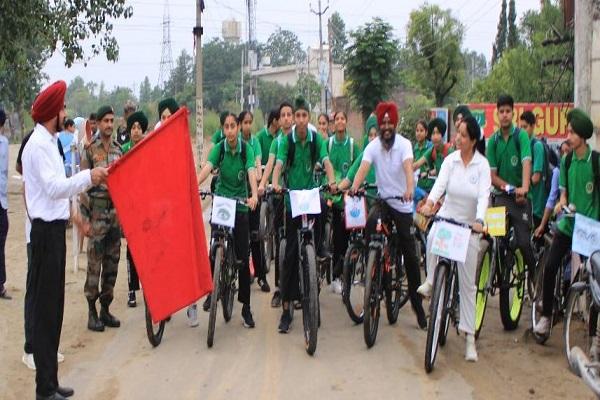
point(537, 193)
point(419, 151)
point(255, 144)
point(300, 173)
point(582, 191)
point(233, 177)
point(342, 154)
point(217, 136)
point(266, 139)
point(439, 157)
point(126, 147)
point(504, 157)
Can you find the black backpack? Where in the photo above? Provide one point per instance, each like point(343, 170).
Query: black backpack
point(292, 149)
point(595, 168)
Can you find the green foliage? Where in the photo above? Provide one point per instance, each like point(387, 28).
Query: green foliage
point(371, 65)
point(500, 43)
point(475, 70)
point(417, 107)
point(272, 94)
point(182, 83)
point(308, 87)
point(211, 123)
point(434, 43)
point(339, 40)
point(221, 73)
point(512, 40)
point(284, 48)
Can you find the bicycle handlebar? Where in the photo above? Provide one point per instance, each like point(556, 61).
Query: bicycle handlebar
point(239, 200)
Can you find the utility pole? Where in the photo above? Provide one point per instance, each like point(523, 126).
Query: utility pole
point(330, 80)
point(199, 78)
point(583, 54)
point(322, 67)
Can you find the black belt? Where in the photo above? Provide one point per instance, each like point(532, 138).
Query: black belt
point(54, 222)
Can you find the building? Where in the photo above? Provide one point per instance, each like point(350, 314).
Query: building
point(231, 31)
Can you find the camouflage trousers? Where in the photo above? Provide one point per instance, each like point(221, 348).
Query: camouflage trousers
point(103, 252)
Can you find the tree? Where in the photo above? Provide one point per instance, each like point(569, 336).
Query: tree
point(272, 94)
point(370, 65)
point(221, 73)
point(475, 70)
point(500, 43)
point(338, 37)
point(308, 87)
point(145, 91)
point(417, 107)
point(512, 40)
point(434, 40)
point(285, 48)
point(181, 83)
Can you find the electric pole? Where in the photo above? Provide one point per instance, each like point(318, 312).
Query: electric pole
point(199, 87)
point(583, 54)
point(322, 66)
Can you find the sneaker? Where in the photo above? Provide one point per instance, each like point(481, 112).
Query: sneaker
point(471, 349)
point(131, 302)
point(542, 328)
point(59, 357)
point(28, 361)
point(264, 285)
point(247, 316)
point(206, 304)
point(285, 321)
point(276, 300)
point(425, 289)
point(336, 286)
point(192, 314)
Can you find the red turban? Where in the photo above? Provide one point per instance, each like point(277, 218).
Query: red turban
point(49, 102)
point(388, 108)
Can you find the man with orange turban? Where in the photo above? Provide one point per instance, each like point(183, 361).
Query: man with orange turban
point(47, 193)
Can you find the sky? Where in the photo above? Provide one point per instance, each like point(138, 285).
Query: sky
point(140, 37)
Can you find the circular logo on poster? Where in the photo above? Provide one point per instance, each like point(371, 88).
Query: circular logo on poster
point(355, 212)
point(514, 161)
point(223, 214)
point(589, 187)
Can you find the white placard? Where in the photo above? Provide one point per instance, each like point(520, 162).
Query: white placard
point(223, 211)
point(355, 212)
point(450, 241)
point(586, 235)
point(305, 202)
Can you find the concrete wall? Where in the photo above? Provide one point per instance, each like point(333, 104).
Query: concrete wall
point(595, 86)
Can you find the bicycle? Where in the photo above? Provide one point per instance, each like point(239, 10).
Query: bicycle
point(385, 276)
point(154, 331)
point(501, 268)
point(266, 229)
point(444, 305)
point(225, 272)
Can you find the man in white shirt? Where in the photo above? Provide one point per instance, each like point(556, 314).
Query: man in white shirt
point(47, 193)
point(3, 204)
point(392, 156)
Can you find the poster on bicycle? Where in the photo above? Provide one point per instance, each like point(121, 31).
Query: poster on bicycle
point(304, 202)
point(586, 235)
point(223, 211)
point(450, 241)
point(355, 212)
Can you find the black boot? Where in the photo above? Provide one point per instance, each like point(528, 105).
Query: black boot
point(94, 324)
point(109, 320)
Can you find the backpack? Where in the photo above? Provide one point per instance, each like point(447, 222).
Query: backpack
point(222, 152)
point(595, 168)
point(445, 151)
point(292, 149)
point(547, 169)
point(351, 148)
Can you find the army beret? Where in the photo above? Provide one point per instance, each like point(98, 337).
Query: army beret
point(102, 111)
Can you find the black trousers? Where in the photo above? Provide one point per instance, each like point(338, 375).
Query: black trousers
point(340, 241)
point(256, 247)
point(520, 219)
point(406, 242)
point(561, 245)
point(240, 238)
point(132, 277)
point(28, 348)
point(3, 233)
point(48, 258)
point(278, 222)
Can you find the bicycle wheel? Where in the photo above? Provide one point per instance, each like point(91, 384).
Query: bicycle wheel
point(512, 289)
point(328, 240)
point(214, 298)
point(154, 331)
point(536, 305)
point(578, 315)
point(451, 292)
point(228, 287)
point(396, 294)
point(372, 297)
point(482, 279)
point(265, 235)
point(354, 282)
point(263, 221)
point(437, 311)
point(310, 299)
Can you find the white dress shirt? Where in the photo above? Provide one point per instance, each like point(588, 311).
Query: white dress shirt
point(467, 188)
point(47, 189)
point(4, 172)
point(389, 170)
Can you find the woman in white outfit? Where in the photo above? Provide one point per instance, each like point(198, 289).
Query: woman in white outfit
point(465, 179)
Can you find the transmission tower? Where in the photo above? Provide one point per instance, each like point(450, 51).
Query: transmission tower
point(166, 58)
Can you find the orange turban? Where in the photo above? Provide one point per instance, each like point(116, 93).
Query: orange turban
point(49, 102)
point(387, 108)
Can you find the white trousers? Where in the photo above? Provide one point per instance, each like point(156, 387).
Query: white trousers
point(466, 280)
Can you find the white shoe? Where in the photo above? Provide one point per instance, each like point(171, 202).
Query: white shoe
point(542, 328)
point(336, 286)
point(471, 349)
point(425, 289)
point(28, 361)
point(192, 314)
point(59, 357)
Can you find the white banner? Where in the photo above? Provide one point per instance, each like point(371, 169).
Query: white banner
point(223, 211)
point(586, 235)
point(450, 241)
point(355, 212)
point(305, 202)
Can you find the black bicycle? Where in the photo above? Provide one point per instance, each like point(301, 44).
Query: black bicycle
point(266, 230)
point(385, 275)
point(154, 331)
point(225, 272)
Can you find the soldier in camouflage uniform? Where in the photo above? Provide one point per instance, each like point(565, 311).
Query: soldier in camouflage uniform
point(104, 244)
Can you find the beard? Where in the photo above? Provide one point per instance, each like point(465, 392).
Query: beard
point(388, 142)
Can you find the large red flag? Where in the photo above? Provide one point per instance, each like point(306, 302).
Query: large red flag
point(155, 191)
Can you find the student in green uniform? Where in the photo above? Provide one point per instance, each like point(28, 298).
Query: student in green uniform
point(435, 155)
point(579, 188)
point(245, 120)
point(286, 120)
point(235, 176)
point(424, 183)
point(509, 155)
point(137, 124)
point(166, 108)
point(323, 125)
point(219, 135)
point(308, 147)
point(267, 134)
point(370, 179)
point(343, 151)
